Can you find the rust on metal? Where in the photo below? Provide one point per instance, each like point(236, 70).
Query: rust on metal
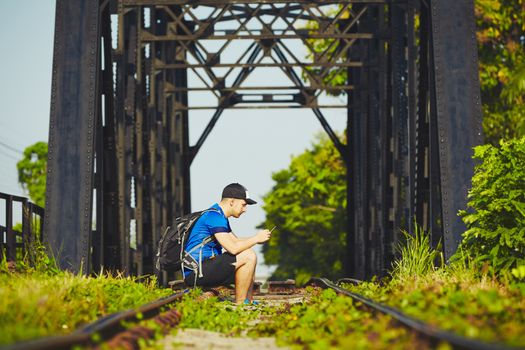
point(130, 338)
point(281, 287)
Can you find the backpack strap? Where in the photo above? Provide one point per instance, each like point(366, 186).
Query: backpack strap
point(194, 265)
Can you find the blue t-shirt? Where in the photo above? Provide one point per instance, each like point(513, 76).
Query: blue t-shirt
point(208, 224)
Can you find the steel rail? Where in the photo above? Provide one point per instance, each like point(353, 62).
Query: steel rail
point(255, 65)
point(457, 341)
point(105, 327)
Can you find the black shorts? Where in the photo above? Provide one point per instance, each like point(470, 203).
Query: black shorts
point(217, 271)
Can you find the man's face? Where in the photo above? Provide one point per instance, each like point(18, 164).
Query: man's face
point(239, 206)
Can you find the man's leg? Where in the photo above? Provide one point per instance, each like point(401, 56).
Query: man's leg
point(244, 275)
point(217, 271)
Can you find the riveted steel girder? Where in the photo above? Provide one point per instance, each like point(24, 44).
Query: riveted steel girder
point(120, 113)
point(74, 97)
point(458, 108)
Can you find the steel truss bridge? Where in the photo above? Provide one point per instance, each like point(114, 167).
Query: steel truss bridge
point(119, 151)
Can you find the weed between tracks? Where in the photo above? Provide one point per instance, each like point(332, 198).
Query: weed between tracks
point(323, 321)
point(329, 321)
point(219, 316)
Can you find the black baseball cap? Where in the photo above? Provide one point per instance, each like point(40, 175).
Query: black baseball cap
point(237, 191)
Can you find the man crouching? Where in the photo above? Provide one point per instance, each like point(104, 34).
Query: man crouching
point(237, 264)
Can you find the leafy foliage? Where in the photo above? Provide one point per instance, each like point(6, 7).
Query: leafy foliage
point(503, 123)
point(501, 46)
point(496, 224)
point(307, 204)
point(32, 172)
point(500, 27)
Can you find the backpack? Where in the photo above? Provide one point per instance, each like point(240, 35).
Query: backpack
point(170, 251)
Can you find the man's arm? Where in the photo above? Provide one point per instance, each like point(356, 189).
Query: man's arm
point(235, 245)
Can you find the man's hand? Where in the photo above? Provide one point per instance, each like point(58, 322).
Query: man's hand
point(236, 245)
point(263, 236)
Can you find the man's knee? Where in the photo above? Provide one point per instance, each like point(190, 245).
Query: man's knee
point(247, 256)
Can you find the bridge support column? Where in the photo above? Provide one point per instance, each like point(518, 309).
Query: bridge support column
point(68, 215)
point(458, 109)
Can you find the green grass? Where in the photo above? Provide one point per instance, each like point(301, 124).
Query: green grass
point(35, 303)
point(417, 257)
point(37, 299)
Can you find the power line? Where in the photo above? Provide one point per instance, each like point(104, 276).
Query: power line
point(13, 130)
point(11, 148)
point(12, 136)
point(8, 155)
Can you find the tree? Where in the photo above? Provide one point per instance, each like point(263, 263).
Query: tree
point(32, 172)
point(307, 204)
point(501, 47)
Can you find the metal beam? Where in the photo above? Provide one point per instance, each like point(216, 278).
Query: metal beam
point(227, 2)
point(458, 107)
point(306, 89)
point(257, 65)
point(68, 216)
point(225, 101)
point(147, 37)
point(400, 122)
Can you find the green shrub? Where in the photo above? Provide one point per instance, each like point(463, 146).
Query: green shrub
point(495, 222)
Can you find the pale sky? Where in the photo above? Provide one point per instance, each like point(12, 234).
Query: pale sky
point(264, 140)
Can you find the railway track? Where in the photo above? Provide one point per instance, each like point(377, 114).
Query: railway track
point(124, 329)
point(112, 329)
point(434, 334)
